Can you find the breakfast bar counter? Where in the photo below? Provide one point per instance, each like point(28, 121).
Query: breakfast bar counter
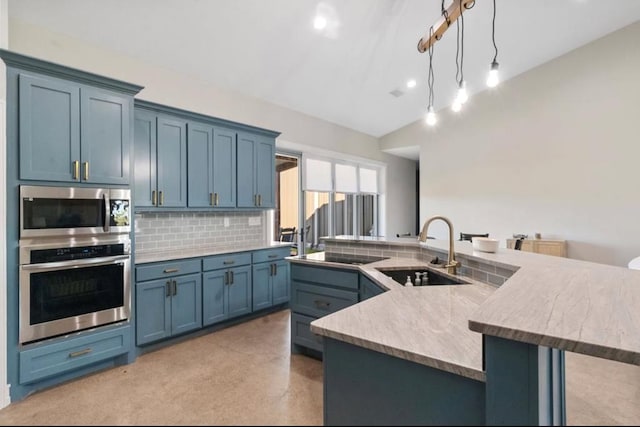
point(510, 336)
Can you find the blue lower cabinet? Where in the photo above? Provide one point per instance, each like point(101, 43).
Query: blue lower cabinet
point(270, 277)
point(368, 288)
point(167, 307)
point(46, 360)
point(226, 293)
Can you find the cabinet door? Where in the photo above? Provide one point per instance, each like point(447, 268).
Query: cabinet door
point(145, 147)
point(368, 288)
point(186, 304)
point(265, 172)
point(224, 167)
point(153, 311)
point(105, 139)
point(280, 282)
point(213, 296)
point(49, 124)
point(246, 171)
point(262, 285)
point(199, 160)
point(172, 162)
point(239, 292)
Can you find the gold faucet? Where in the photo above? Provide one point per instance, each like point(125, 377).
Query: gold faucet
point(451, 264)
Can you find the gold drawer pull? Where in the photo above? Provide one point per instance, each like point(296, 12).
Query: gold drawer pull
point(80, 353)
point(229, 262)
point(76, 170)
point(171, 270)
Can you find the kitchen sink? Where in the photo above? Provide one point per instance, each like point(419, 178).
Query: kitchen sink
point(433, 277)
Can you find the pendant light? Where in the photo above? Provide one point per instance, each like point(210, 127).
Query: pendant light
point(431, 114)
point(493, 79)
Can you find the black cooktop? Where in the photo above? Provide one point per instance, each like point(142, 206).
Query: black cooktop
point(352, 259)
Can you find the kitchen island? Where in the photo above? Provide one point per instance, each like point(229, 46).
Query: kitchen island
point(547, 305)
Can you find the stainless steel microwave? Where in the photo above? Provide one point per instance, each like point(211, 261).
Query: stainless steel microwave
point(69, 211)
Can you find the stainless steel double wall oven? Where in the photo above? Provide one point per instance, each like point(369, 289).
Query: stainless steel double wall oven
point(75, 259)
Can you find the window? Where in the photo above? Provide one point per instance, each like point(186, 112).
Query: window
point(341, 198)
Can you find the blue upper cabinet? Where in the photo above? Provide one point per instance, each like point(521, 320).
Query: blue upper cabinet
point(73, 126)
point(144, 154)
point(256, 171)
point(172, 162)
point(160, 160)
point(211, 154)
point(201, 162)
point(105, 136)
point(49, 129)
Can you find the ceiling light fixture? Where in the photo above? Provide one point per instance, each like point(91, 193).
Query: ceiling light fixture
point(493, 79)
point(411, 83)
point(453, 13)
point(319, 22)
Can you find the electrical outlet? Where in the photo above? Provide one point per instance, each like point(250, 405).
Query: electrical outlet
point(226, 221)
point(255, 220)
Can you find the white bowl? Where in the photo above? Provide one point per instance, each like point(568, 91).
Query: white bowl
point(485, 244)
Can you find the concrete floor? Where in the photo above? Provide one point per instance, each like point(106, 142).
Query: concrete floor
point(245, 375)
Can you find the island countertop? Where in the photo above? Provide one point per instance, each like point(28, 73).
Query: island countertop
point(572, 305)
point(426, 324)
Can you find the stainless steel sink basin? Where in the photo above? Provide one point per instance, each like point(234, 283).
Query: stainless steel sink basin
point(433, 277)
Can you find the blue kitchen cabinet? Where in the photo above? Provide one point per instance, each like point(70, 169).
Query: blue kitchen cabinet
point(315, 292)
point(211, 166)
point(226, 287)
point(168, 300)
point(160, 153)
point(256, 171)
point(270, 278)
point(73, 133)
point(145, 151)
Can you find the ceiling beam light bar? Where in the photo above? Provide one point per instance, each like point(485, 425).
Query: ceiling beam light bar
point(443, 23)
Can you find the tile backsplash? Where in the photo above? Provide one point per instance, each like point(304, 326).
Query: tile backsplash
point(190, 230)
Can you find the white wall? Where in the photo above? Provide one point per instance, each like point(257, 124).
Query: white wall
point(554, 150)
point(4, 43)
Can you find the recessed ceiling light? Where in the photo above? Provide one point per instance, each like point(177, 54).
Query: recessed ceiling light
point(411, 83)
point(319, 22)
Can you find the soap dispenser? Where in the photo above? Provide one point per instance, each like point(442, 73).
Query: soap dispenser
point(409, 282)
point(418, 281)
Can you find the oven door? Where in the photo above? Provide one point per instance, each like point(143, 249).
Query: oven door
point(62, 297)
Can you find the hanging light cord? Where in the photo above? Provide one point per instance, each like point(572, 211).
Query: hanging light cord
point(493, 31)
point(457, 52)
point(431, 78)
point(461, 43)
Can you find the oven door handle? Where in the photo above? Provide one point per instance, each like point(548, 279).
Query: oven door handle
point(76, 263)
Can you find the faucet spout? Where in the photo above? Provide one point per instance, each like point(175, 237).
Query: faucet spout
point(452, 264)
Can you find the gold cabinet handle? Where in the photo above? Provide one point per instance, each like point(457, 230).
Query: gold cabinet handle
point(161, 198)
point(80, 353)
point(217, 199)
point(211, 202)
point(259, 199)
point(76, 170)
point(154, 198)
point(86, 171)
point(255, 200)
point(171, 270)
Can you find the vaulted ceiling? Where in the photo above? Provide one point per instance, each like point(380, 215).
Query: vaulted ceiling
point(345, 73)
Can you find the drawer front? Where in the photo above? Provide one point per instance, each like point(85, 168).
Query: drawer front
point(268, 255)
point(319, 301)
point(325, 276)
point(54, 359)
point(301, 332)
point(167, 269)
point(216, 262)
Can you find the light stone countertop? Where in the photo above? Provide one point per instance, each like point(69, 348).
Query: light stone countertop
point(173, 254)
point(426, 324)
point(573, 305)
